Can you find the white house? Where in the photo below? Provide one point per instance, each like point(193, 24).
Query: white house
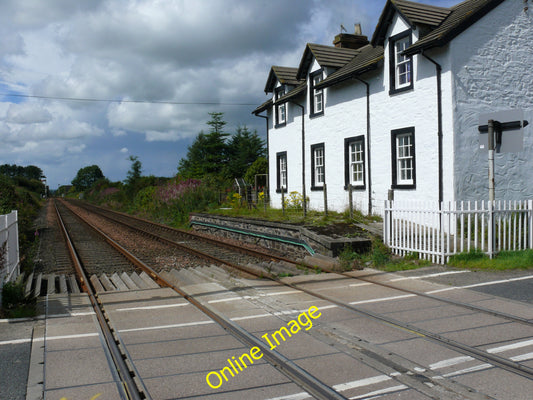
point(398, 116)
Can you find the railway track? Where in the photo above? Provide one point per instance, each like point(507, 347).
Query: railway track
point(198, 284)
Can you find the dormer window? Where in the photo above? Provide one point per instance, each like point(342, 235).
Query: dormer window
point(401, 66)
point(281, 108)
point(317, 95)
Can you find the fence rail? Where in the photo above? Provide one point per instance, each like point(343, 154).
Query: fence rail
point(437, 231)
point(9, 248)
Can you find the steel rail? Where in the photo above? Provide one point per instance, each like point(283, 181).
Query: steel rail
point(466, 349)
point(272, 257)
point(128, 389)
point(301, 377)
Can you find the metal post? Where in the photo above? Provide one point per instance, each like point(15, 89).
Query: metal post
point(491, 160)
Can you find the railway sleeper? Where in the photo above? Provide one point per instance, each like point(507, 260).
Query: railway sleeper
point(48, 284)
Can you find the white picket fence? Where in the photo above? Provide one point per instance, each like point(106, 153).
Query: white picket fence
point(437, 231)
point(9, 248)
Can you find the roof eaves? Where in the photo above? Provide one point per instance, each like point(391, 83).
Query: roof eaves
point(367, 61)
point(297, 91)
point(462, 17)
point(263, 107)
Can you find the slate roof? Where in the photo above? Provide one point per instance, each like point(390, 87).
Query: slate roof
point(461, 17)
point(285, 75)
point(438, 26)
point(413, 13)
point(367, 59)
point(263, 107)
point(300, 89)
point(326, 56)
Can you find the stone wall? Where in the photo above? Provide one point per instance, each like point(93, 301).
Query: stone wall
point(295, 239)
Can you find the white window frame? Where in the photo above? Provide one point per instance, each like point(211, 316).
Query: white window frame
point(356, 152)
point(401, 68)
point(318, 162)
point(317, 101)
point(403, 65)
point(403, 158)
point(281, 109)
point(281, 159)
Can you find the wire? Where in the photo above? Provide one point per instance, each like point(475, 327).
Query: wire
point(126, 101)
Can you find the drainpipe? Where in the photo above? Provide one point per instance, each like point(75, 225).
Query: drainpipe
point(368, 144)
point(268, 155)
point(439, 117)
point(303, 157)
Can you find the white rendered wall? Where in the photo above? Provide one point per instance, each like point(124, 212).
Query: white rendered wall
point(492, 71)
point(413, 108)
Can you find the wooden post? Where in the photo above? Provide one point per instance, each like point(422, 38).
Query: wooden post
point(350, 199)
point(283, 201)
point(325, 199)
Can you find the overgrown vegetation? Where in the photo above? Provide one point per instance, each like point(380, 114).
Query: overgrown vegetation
point(14, 303)
point(505, 260)
point(24, 194)
point(379, 257)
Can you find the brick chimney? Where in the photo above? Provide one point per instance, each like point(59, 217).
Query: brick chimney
point(351, 41)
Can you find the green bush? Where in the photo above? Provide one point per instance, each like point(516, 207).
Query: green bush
point(12, 295)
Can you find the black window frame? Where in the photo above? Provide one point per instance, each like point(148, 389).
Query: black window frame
point(392, 62)
point(347, 162)
point(314, 147)
point(312, 89)
point(394, 161)
point(279, 156)
point(279, 92)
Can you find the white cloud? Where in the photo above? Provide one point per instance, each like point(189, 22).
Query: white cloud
point(182, 51)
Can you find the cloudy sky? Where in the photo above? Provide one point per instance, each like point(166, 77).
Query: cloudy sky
point(86, 82)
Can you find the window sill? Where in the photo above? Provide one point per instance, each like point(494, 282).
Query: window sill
point(318, 114)
point(280, 125)
point(404, 187)
point(401, 89)
point(355, 187)
point(317, 188)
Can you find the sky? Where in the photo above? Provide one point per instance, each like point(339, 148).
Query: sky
point(93, 82)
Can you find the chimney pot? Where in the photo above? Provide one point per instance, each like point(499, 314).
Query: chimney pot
point(351, 41)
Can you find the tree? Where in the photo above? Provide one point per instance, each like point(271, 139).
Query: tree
point(86, 177)
point(135, 171)
point(259, 167)
point(244, 148)
point(207, 155)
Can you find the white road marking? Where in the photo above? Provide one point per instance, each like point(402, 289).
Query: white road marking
point(153, 307)
point(149, 328)
point(480, 284)
point(404, 296)
point(512, 346)
point(428, 276)
point(380, 392)
point(361, 382)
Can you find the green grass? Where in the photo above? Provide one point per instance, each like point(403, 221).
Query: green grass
point(379, 257)
point(505, 260)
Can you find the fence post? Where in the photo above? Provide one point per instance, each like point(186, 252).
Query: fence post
point(530, 227)
point(386, 223)
point(442, 233)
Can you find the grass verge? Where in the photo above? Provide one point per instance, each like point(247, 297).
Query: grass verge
point(505, 260)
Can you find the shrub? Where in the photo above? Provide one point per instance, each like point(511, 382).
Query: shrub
point(12, 295)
